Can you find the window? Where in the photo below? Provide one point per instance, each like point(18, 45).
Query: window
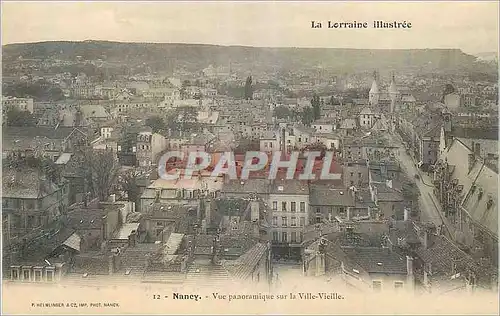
point(377, 285)
point(398, 285)
point(359, 174)
point(284, 236)
point(303, 207)
point(26, 275)
point(294, 221)
point(342, 211)
point(293, 207)
point(352, 174)
point(275, 220)
point(159, 223)
point(15, 274)
point(301, 236)
point(158, 231)
point(283, 206)
point(318, 210)
point(302, 221)
point(50, 275)
point(318, 219)
point(38, 275)
point(284, 221)
point(293, 237)
point(275, 205)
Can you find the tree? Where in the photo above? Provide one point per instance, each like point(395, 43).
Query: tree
point(282, 112)
point(307, 116)
point(100, 171)
point(128, 183)
point(448, 89)
point(183, 119)
point(16, 117)
point(248, 89)
point(316, 107)
point(156, 123)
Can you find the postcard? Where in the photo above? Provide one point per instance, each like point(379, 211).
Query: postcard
point(267, 157)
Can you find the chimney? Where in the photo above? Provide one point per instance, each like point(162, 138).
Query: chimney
point(204, 226)
point(320, 264)
point(132, 239)
point(427, 274)
point(428, 238)
point(215, 250)
point(208, 212)
point(409, 265)
point(256, 230)
point(255, 213)
point(406, 214)
point(471, 161)
point(477, 150)
point(410, 278)
point(111, 262)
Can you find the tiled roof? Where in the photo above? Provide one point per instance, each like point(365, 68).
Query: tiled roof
point(208, 274)
point(481, 203)
point(377, 260)
point(442, 254)
point(243, 267)
point(73, 241)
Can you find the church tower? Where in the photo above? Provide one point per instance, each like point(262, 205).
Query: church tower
point(374, 94)
point(394, 93)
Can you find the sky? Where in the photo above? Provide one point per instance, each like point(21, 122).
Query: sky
point(470, 26)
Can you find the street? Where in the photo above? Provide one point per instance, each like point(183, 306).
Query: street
point(429, 207)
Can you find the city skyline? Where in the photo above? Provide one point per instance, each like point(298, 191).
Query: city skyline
point(474, 28)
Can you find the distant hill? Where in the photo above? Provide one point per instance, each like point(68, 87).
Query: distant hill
point(196, 56)
point(490, 56)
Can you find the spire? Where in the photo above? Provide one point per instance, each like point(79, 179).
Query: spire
point(393, 89)
point(374, 88)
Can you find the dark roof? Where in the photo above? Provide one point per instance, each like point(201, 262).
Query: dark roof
point(292, 186)
point(42, 246)
point(84, 219)
point(475, 133)
point(377, 260)
point(247, 186)
point(321, 195)
point(233, 207)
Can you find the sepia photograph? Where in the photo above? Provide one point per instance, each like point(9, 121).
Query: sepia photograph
point(238, 157)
